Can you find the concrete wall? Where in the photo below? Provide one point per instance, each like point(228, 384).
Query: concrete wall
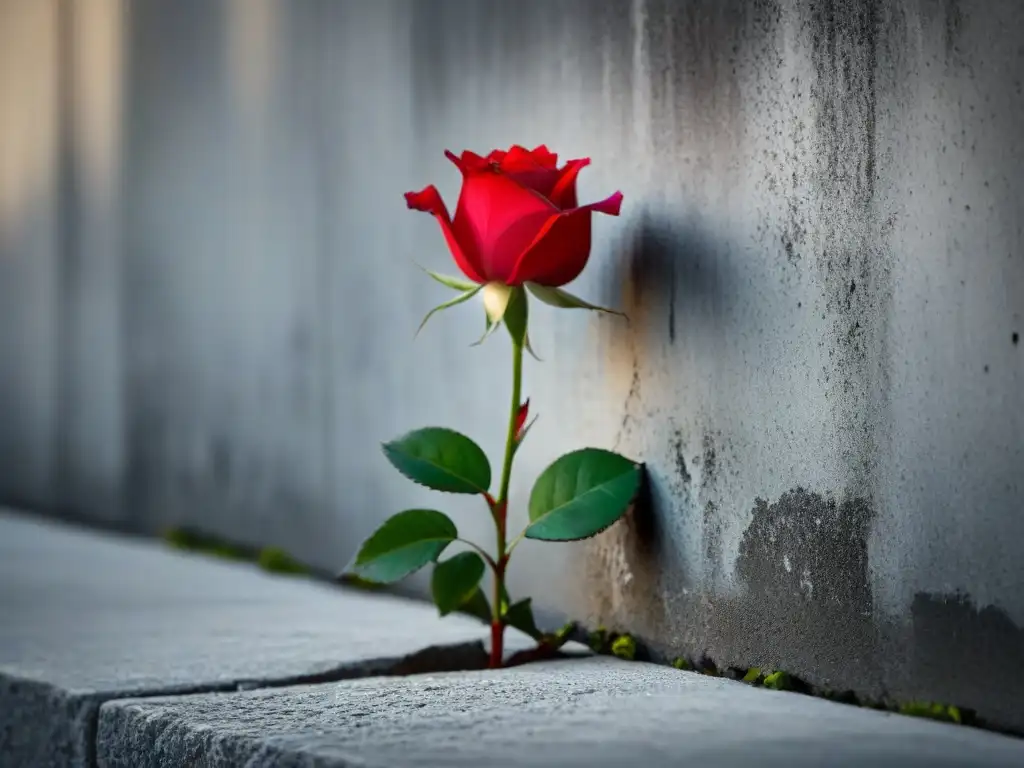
point(210, 298)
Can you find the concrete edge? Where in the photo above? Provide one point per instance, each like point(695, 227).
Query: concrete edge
point(42, 724)
point(307, 727)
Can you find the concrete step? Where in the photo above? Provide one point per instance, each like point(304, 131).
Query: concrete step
point(85, 618)
point(119, 652)
point(588, 713)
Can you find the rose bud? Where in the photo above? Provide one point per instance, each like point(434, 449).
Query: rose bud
point(517, 220)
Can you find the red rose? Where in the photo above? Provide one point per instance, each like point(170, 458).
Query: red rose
point(517, 220)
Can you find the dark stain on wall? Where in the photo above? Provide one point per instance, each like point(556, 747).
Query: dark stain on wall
point(807, 607)
point(844, 51)
point(679, 452)
point(954, 27)
point(709, 461)
point(972, 656)
point(845, 39)
point(712, 533)
point(810, 547)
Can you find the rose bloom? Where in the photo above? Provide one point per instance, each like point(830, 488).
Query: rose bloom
point(517, 220)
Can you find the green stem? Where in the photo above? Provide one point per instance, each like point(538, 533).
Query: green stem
point(501, 508)
point(483, 552)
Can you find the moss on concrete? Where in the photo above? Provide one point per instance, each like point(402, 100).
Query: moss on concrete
point(271, 559)
point(624, 646)
point(276, 560)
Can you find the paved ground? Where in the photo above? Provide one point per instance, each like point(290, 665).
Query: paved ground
point(115, 652)
point(581, 713)
point(87, 617)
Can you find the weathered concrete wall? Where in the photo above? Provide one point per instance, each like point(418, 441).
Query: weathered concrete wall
point(821, 254)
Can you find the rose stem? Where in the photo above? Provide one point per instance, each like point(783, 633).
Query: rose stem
point(501, 509)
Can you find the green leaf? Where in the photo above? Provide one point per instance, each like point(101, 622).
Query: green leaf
point(403, 544)
point(562, 635)
point(556, 297)
point(581, 494)
point(455, 580)
point(520, 616)
point(442, 459)
point(777, 681)
point(598, 640)
point(478, 606)
point(469, 294)
point(458, 283)
point(752, 676)
point(516, 316)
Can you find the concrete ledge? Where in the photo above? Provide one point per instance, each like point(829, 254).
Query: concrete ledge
point(115, 652)
point(87, 618)
point(586, 712)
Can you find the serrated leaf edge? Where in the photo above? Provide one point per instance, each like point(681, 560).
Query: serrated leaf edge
point(636, 467)
point(385, 448)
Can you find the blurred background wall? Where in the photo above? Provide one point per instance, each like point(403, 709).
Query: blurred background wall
point(209, 298)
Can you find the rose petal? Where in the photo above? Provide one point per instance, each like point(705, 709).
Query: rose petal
point(611, 205)
point(519, 159)
point(563, 194)
point(469, 162)
point(561, 249)
point(520, 164)
point(429, 200)
point(544, 157)
point(498, 218)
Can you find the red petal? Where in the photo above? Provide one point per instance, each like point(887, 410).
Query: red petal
point(519, 159)
point(524, 411)
point(564, 192)
point(611, 205)
point(469, 162)
point(429, 200)
point(544, 157)
point(522, 165)
point(561, 249)
point(497, 219)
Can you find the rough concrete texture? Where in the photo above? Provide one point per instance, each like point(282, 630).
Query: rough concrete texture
point(592, 713)
point(87, 618)
point(820, 252)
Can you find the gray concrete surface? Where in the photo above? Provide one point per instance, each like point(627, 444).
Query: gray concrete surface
point(86, 618)
point(587, 713)
point(209, 299)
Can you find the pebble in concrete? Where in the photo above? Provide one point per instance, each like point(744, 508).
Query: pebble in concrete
point(85, 618)
point(587, 712)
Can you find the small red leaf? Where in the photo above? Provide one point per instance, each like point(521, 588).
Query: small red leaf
point(524, 411)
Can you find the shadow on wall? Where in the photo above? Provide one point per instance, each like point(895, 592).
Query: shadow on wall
point(805, 603)
point(634, 569)
point(666, 265)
